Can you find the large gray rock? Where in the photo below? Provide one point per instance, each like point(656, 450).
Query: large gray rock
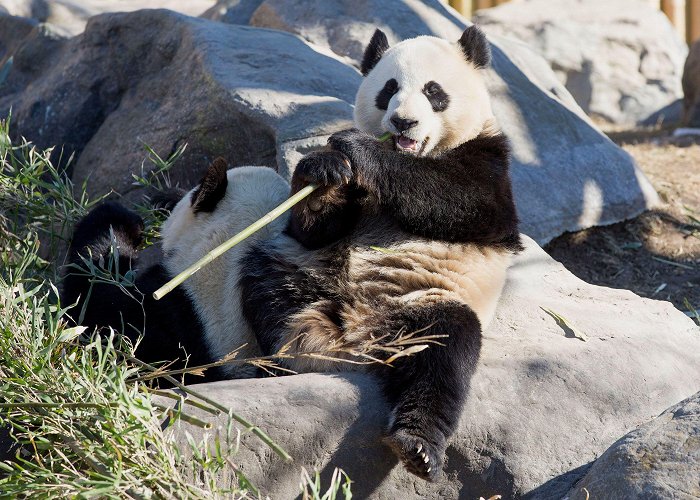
point(691, 87)
point(256, 97)
point(659, 460)
point(622, 60)
point(543, 403)
point(567, 175)
point(13, 30)
point(70, 16)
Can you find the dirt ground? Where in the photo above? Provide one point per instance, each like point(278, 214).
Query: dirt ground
point(657, 254)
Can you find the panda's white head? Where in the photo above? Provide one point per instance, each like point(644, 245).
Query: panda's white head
point(428, 93)
point(224, 203)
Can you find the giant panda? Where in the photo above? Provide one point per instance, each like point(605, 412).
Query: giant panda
point(410, 236)
point(200, 321)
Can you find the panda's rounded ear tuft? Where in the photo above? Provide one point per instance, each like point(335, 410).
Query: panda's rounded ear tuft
point(374, 51)
point(212, 188)
point(475, 47)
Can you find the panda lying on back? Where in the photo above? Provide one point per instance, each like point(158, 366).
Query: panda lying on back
point(201, 320)
point(413, 237)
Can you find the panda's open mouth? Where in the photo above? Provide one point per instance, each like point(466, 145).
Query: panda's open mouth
point(408, 145)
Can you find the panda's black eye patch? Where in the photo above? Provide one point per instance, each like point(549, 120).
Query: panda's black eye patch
point(390, 88)
point(438, 98)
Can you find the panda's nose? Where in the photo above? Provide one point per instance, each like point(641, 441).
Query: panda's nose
point(403, 124)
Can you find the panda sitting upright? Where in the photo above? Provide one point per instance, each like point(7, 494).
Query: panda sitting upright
point(409, 237)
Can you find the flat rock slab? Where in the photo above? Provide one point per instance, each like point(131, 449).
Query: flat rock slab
point(544, 403)
point(659, 460)
point(157, 78)
point(567, 175)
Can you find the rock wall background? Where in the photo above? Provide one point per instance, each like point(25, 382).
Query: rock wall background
point(264, 97)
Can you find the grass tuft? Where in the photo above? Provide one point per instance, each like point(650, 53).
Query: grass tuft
point(79, 424)
point(80, 409)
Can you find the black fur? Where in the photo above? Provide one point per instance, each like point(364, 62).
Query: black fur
point(171, 329)
point(333, 208)
point(438, 98)
point(166, 199)
point(463, 196)
point(212, 187)
point(273, 290)
point(390, 88)
point(374, 51)
point(475, 46)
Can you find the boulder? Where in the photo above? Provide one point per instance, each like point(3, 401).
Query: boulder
point(659, 460)
point(621, 60)
point(26, 48)
point(691, 87)
point(543, 405)
point(233, 102)
point(70, 16)
point(232, 11)
point(567, 175)
point(256, 97)
point(13, 30)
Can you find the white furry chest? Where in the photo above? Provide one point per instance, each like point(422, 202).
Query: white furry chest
point(422, 271)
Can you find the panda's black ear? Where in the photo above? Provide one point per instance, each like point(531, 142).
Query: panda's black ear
point(374, 51)
point(475, 47)
point(212, 188)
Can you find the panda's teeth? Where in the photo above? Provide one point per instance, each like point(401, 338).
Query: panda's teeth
point(406, 143)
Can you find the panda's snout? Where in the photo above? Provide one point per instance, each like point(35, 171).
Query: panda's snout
point(403, 124)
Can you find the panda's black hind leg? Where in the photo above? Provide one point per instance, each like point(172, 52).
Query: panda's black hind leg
point(108, 225)
point(427, 390)
point(93, 230)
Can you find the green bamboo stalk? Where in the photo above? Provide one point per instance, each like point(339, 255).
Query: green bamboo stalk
point(237, 238)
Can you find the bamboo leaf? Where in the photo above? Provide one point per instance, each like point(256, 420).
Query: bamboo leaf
point(569, 329)
point(407, 352)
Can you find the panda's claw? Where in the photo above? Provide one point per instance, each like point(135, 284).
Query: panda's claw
point(416, 453)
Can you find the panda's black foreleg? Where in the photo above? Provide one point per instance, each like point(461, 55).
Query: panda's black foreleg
point(427, 390)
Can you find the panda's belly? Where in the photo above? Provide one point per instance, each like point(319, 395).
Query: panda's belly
point(383, 273)
point(424, 272)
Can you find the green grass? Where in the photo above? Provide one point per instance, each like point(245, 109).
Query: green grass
point(82, 418)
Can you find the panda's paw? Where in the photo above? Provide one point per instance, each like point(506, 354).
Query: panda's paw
point(420, 456)
point(354, 144)
point(324, 168)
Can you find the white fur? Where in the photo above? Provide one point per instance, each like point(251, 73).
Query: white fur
point(413, 63)
point(251, 193)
